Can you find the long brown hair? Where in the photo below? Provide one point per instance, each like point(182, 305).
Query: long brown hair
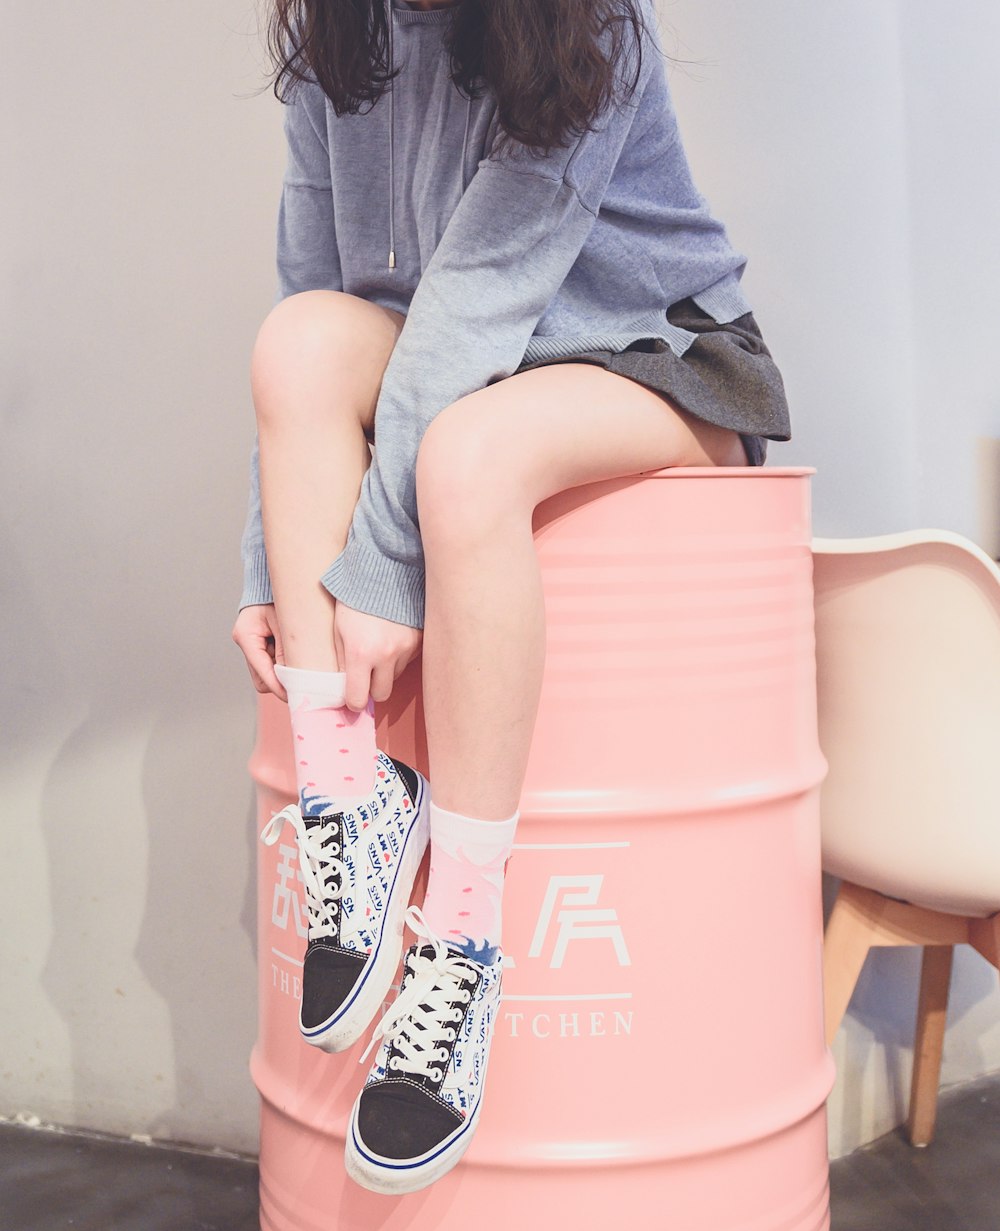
point(553, 65)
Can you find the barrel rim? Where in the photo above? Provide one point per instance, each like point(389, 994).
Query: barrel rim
point(729, 472)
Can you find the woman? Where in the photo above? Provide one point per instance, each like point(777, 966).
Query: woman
point(494, 265)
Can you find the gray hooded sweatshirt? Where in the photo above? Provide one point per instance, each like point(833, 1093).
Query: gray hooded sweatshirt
point(494, 258)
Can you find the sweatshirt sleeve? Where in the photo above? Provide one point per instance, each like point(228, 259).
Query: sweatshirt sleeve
point(308, 260)
point(256, 578)
point(507, 249)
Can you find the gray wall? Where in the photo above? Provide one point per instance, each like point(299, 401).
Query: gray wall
point(139, 199)
point(850, 149)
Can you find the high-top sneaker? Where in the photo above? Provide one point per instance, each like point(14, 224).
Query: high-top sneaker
point(358, 869)
point(420, 1107)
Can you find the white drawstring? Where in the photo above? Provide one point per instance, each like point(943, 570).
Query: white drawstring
point(392, 151)
point(465, 143)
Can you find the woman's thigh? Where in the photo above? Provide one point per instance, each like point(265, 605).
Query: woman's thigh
point(552, 428)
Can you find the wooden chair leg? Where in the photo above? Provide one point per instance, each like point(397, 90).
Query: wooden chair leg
point(932, 1011)
point(984, 935)
point(846, 943)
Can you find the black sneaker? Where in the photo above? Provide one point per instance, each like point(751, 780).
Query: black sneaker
point(358, 869)
point(420, 1107)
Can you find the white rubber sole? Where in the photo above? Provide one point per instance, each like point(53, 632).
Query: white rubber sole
point(349, 1023)
point(390, 1176)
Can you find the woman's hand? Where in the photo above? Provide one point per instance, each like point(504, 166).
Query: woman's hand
point(256, 633)
point(372, 652)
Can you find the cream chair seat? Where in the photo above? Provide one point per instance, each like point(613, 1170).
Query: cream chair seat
point(908, 663)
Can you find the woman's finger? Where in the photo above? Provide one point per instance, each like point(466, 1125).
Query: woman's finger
point(261, 666)
point(403, 660)
point(255, 650)
point(275, 655)
point(382, 680)
point(357, 687)
point(255, 676)
point(279, 649)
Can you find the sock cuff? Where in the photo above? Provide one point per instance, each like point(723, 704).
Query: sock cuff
point(467, 831)
point(326, 686)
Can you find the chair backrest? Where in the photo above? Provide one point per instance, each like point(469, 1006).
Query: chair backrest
point(908, 663)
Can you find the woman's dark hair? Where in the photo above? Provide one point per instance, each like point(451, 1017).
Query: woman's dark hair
point(553, 65)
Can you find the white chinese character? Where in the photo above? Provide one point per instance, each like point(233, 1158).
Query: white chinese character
point(286, 896)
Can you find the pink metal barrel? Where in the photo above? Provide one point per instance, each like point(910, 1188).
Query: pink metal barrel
point(660, 1052)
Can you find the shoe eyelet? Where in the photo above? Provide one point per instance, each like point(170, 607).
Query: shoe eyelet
point(393, 1063)
point(435, 1074)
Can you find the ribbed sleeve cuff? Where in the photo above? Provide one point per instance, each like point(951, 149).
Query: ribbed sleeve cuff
point(725, 301)
point(256, 580)
point(370, 582)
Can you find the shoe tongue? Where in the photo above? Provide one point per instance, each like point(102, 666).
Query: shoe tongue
point(328, 829)
point(326, 821)
point(430, 953)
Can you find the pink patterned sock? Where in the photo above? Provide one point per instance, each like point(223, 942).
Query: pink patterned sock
point(334, 746)
point(465, 887)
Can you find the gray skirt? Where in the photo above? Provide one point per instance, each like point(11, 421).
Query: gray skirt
point(726, 376)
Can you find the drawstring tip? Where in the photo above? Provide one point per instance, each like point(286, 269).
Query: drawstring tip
point(392, 259)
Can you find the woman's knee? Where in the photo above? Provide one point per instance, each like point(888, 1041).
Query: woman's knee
point(466, 476)
point(316, 339)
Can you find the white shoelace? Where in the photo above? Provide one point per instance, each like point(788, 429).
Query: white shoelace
point(426, 1014)
point(319, 862)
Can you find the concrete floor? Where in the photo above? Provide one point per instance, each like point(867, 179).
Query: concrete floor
point(951, 1185)
point(51, 1181)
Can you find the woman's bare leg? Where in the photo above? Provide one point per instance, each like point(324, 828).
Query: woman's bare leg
point(316, 372)
point(484, 465)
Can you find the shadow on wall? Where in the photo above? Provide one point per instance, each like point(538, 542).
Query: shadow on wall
point(203, 846)
point(151, 964)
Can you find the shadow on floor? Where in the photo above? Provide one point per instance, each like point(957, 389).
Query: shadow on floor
point(50, 1181)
